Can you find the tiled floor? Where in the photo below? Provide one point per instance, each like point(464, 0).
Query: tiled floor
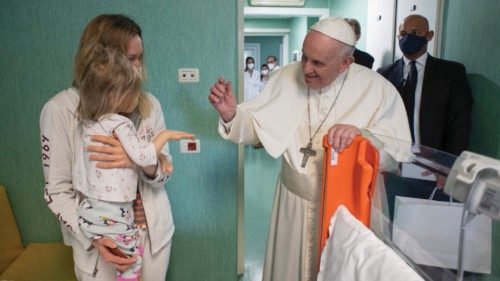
point(253, 271)
point(261, 172)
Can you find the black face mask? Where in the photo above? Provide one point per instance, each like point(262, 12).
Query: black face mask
point(411, 43)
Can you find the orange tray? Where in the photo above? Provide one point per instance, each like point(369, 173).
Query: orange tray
point(351, 182)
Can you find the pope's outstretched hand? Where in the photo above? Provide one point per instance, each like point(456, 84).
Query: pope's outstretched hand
point(222, 99)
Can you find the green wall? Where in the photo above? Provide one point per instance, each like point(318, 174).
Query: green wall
point(38, 43)
point(311, 21)
point(356, 9)
point(470, 36)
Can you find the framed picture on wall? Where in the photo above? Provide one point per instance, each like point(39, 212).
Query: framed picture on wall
point(273, 3)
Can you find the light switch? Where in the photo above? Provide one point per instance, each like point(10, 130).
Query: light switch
point(189, 75)
point(190, 146)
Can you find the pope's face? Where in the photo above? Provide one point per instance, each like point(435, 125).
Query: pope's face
point(321, 60)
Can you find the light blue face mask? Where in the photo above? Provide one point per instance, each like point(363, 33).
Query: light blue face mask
point(411, 43)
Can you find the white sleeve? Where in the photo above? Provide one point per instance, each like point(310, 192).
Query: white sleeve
point(56, 131)
point(225, 126)
point(239, 130)
point(142, 153)
point(158, 123)
point(390, 128)
point(390, 118)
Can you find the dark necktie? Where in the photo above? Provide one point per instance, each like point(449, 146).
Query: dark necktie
point(409, 95)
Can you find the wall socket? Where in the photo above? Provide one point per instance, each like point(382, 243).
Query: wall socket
point(189, 75)
point(190, 146)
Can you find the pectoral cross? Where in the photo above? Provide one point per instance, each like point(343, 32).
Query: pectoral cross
point(307, 151)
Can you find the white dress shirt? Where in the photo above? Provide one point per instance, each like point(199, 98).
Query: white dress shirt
point(420, 64)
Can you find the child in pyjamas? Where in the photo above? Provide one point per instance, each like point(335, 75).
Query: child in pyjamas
point(111, 91)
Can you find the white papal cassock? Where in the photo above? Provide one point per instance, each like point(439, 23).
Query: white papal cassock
point(279, 119)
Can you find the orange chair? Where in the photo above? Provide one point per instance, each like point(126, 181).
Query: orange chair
point(351, 182)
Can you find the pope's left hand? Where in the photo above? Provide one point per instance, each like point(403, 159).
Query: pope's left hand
point(341, 136)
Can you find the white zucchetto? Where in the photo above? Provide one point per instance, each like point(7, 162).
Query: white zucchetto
point(336, 28)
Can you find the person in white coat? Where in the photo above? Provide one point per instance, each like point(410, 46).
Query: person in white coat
point(251, 80)
point(60, 135)
point(272, 63)
point(324, 94)
point(264, 77)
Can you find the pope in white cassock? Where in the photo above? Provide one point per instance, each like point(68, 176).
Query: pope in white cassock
point(325, 93)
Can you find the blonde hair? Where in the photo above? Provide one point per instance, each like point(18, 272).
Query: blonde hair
point(109, 84)
point(108, 31)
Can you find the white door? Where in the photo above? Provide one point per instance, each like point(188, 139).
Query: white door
point(380, 34)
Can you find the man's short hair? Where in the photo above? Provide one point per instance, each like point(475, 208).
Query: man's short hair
point(355, 25)
point(273, 57)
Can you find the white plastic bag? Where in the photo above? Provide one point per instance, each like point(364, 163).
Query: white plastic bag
point(428, 233)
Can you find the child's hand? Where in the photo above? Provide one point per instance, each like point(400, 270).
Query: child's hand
point(177, 135)
point(168, 135)
point(166, 166)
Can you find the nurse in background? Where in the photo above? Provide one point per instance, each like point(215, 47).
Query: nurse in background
point(272, 63)
point(264, 76)
point(252, 80)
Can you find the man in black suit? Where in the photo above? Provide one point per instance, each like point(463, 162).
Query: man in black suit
point(439, 102)
point(360, 57)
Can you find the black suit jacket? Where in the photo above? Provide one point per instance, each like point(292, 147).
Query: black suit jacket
point(445, 106)
point(363, 58)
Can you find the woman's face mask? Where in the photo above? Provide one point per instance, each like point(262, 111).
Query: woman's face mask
point(411, 43)
point(264, 71)
point(250, 66)
point(271, 66)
